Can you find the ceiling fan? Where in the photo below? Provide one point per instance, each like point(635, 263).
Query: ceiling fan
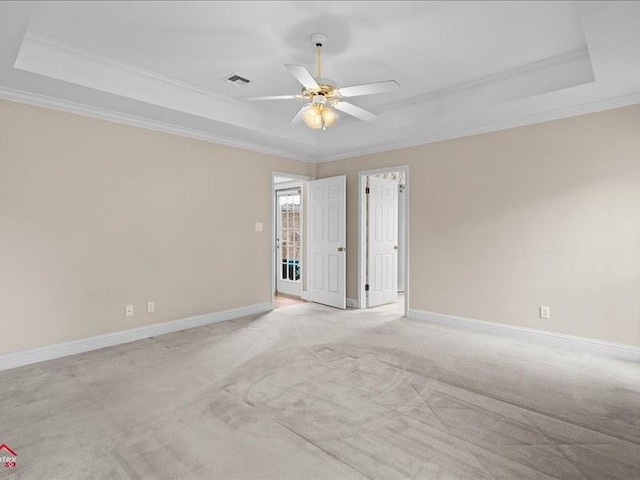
point(323, 95)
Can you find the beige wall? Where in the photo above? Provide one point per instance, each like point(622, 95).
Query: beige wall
point(504, 222)
point(95, 215)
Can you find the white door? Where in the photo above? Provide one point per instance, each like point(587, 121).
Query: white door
point(327, 241)
point(382, 241)
point(288, 246)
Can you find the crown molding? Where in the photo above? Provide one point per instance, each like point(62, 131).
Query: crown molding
point(519, 121)
point(141, 71)
point(141, 122)
point(579, 55)
point(127, 67)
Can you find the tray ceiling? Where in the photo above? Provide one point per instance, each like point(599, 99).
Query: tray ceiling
point(463, 67)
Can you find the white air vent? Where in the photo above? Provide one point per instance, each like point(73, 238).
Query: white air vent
point(236, 79)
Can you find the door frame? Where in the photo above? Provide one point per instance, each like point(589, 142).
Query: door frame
point(362, 225)
point(303, 219)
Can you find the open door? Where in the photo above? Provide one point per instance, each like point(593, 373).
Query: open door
point(382, 241)
point(327, 241)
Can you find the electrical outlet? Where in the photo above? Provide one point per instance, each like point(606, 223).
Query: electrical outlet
point(545, 312)
point(151, 307)
point(128, 311)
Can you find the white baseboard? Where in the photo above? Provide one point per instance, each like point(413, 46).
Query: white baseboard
point(352, 303)
point(50, 352)
point(558, 340)
point(305, 295)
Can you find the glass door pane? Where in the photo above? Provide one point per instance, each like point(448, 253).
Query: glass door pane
point(289, 234)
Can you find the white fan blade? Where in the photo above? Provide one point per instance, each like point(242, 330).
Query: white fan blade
point(272, 97)
point(295, 120)
point(354, 111)
point(369, 88)
point(303, 76)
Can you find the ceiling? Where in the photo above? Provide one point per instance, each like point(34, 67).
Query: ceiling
point(463, 67)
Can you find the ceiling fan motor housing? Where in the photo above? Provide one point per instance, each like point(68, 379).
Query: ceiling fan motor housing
point(327, 89)
point(318, 100)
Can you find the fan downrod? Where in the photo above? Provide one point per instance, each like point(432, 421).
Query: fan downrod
point(327, 87)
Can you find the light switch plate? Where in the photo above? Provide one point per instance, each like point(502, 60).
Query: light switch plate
point(258, 226)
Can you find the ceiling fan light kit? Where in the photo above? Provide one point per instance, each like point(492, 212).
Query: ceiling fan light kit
point(319, 116)
point(323, 95)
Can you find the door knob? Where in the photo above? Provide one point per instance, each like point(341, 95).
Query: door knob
point(395, 247)
point(342, 249)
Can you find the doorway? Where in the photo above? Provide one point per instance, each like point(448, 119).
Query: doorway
point(287, 239)
point(383, 238)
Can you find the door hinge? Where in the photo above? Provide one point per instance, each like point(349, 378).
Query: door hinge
point(366, 288)
point(366, 191)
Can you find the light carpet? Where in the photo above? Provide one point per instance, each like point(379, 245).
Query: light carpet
point(308, 392)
